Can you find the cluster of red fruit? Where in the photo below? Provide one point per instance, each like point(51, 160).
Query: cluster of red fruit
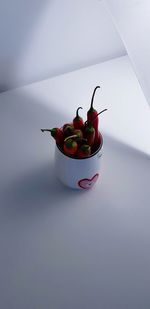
point(79, 139)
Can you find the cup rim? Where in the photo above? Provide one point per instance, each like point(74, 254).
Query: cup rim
point(92, 155)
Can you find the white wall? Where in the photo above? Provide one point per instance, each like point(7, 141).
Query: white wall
point(132, 19)
point(43, 38)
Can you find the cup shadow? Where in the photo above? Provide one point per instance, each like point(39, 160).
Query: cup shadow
point(27, 179)
point(37, 191)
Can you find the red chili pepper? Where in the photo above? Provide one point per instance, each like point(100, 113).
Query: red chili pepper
point(97, 134)
point(68, 129)
point(78, 137)
point(92, 113)
point(78, 133)
point(70, 147)
point(84, 151)
point(67, 124)
point(95, 125)
point(57, 134)
point(78, 122)
point(90, 134)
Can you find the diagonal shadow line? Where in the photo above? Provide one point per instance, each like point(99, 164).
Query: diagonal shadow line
point(112, 140)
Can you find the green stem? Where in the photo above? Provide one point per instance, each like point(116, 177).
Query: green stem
point(100, 113)
point(90, 122)
point(77, 115)
point(48, 130)
point(93, 96)
point(72, 136)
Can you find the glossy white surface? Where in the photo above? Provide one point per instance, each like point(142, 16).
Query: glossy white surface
point(62, 248)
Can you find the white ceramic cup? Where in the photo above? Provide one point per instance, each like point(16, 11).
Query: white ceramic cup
point(78, 173)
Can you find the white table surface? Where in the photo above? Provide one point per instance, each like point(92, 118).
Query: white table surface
point(61, 248)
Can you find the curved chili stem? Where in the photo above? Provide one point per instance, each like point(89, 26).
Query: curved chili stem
point(48, 130)
point(77, 115)
point(70, 137)
point(100, 113)
point(94, 95)
point(87, 121)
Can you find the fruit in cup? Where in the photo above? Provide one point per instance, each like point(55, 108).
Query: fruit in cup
point(78, 122)
point(78, 133)
point(90, 134)
point(67, 124)
point(57, 134)
point(92, 116)
point(70, 147)
point(79, 139)
point(90, 131)
point(93, 119)
point(68, 129)
point(84, 151)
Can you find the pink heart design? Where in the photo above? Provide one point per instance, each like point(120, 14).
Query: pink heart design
point(86, 183)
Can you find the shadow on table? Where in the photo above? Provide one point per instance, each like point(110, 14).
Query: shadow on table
point(27, 179)
point(37, 191)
